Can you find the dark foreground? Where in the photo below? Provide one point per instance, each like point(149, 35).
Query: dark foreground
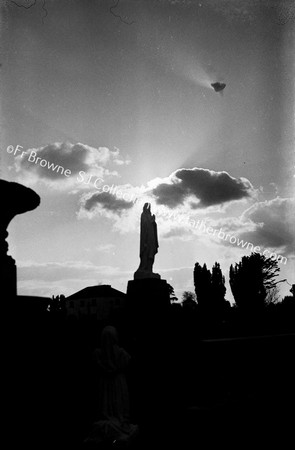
point(186, 392)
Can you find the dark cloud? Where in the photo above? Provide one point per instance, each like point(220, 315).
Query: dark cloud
point(208, 187)
point(107, 201)
point(170, 195)
point(274, 224)
point(75, 157)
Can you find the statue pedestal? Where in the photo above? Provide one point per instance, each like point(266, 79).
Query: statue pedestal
point(142, 274)
point(148, 302)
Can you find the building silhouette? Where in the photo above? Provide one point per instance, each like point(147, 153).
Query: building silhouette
point(97, 302)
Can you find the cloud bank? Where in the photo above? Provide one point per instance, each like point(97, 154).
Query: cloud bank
point(73, 157)
point(273, 222)
point(203, 187)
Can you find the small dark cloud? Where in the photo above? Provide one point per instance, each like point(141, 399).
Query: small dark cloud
point(206, 186)
point(107, 201)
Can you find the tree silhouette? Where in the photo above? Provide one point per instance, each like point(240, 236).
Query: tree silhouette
point(251, 279)
point(288, 299)
point(188, 296)
point(57, 304)
point(210, 288)
point(172, 295)
point(189, 300)
point(218, 288)
point(272, 297)
point(202, 283)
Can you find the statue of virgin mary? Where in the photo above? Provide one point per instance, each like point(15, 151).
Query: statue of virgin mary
point(148, 244)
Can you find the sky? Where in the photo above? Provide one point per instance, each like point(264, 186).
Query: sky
point(109, 93)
